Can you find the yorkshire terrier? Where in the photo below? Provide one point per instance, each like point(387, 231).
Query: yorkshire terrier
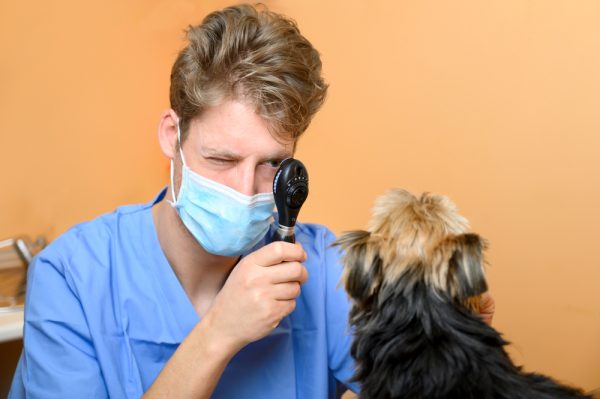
point(415, 279)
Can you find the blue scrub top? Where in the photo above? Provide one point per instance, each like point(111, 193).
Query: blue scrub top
point(105, 311)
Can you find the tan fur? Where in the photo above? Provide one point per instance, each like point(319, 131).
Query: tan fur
point(408, 232)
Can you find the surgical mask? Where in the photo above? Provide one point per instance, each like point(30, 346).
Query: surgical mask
point(223, 220)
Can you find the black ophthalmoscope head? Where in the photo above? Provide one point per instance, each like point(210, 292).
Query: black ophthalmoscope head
point(290, 188)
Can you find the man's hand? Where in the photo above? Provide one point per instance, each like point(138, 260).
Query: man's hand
point(487, 307)
point(260, 291)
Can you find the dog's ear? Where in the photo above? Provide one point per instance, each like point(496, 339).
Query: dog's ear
point(362, 265)
point(466, 274)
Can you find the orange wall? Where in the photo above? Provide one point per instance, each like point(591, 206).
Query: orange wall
point(493, 103)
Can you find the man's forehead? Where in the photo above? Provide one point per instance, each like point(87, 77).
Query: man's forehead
point(234, 128)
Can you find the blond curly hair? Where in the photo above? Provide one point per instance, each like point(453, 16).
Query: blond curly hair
point(252, 54)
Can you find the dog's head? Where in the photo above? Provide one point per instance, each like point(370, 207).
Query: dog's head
point(414, 240)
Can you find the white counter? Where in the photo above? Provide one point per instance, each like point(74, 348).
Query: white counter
point(11, 325)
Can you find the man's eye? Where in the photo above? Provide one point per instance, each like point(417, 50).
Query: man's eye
point(220, 161)
point(274, 163)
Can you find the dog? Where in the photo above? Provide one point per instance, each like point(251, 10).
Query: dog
point(415, 279)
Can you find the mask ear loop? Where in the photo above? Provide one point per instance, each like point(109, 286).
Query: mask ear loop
point(174, 202)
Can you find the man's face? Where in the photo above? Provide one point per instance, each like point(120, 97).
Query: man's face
point(232, 145)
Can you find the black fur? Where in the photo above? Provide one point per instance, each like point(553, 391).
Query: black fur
point(414, 343)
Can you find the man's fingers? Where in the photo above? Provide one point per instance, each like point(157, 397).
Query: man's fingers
point(289, 306)
point(487, 307)
point(286, 291)
point(287, 272)
point(278, 252)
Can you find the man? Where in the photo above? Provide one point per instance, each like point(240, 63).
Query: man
point(186, 296)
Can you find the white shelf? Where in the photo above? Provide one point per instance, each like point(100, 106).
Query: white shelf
point(11, 325)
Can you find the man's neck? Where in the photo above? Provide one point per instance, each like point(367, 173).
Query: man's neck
point(200, 273)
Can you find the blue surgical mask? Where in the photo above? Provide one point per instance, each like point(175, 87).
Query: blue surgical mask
point(223, 220)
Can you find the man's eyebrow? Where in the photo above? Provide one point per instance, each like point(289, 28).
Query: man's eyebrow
point(213, 152)
point(279, 156)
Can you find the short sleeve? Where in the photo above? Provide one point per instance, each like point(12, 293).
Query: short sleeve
point(58, 359)
point(339, 337)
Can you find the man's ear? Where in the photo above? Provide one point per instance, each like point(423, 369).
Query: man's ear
point(167, 133)
point(466, 274)
point(362, 274)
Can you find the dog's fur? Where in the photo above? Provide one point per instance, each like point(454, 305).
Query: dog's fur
point(415, 278)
